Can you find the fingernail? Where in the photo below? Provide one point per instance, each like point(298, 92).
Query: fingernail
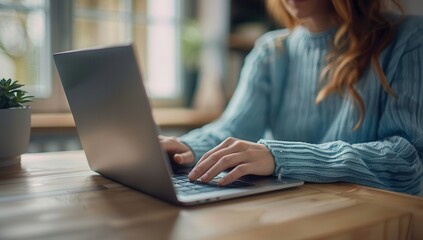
point(192, 174)
point(221, 182)
point(177, 158)
point(204, 178)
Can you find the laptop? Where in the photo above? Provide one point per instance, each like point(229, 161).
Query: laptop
point(114, 122)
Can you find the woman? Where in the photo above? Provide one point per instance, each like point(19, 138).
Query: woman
point(340, 92)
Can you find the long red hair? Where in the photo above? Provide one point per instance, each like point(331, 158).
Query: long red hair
point(364, 31)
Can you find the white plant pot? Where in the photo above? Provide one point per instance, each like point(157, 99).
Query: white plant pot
point(15, 129)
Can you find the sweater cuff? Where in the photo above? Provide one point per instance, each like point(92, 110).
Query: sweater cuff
point(286, 159)
point(280, 163)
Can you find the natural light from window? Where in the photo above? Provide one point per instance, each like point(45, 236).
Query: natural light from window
point(162, 48)
point(31, 30)
point(25, 46)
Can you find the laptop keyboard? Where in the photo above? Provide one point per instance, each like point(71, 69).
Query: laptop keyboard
point(184, 186)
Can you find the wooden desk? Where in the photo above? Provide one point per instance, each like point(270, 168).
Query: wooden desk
point(56, 196)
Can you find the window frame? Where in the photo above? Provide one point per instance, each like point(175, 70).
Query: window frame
point(59, 28)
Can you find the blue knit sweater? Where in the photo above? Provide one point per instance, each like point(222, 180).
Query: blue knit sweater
point(274, 104)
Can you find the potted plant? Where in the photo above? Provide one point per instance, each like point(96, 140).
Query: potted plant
point(15, 122)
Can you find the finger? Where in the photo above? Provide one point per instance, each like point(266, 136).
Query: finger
point(206, 163)
point(221, 165)
point(199, 171)
point(178, 152)
point(172, 145)
point(184, 158)
point(236, 173)
point(226, 143)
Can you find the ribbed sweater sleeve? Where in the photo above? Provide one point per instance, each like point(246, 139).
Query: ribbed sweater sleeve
point(394, 162)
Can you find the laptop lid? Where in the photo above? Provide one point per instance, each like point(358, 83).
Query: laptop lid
point(113, 117)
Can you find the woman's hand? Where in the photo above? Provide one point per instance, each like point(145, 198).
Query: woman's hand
point(182, 154)
point(243, 156)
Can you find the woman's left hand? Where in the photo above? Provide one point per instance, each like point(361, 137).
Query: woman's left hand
point(243, 156)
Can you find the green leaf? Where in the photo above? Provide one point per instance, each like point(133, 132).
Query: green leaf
point(11, 94)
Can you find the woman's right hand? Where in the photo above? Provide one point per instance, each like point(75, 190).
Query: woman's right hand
point(181, 153)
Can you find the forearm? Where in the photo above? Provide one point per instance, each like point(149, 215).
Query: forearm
point(392, 164)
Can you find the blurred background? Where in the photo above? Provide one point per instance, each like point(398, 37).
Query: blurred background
point(190, 51)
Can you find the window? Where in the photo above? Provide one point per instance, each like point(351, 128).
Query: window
point(25, 46)
point(31, 30)
point(151, 24)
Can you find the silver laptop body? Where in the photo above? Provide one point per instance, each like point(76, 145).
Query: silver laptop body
point(114, 121)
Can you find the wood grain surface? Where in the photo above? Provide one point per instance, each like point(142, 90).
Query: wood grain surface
point(56, 196)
